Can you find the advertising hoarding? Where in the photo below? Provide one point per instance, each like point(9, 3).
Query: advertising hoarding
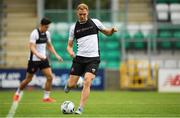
point(169, 80)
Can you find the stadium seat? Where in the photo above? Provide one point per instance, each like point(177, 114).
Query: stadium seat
point(102, 64)
point(103, 54)
point(133, 29)
point(75, 48)
point(115, 36)
point(174, 7)
point(162, 1)
point(177, 37)
point(64, 36)
point(118, 36)
point(112, 55)
point(126, 35)
point(52, 57)
point(52, 27)
point(175, 13)
point(167, 1)
point(112, 64)
point(102, 36)
point(66, 56)
point(162, 11)
point(174, 1)
point(175, 17)
point(165, 37)
point(55, 37)
point(127, 38)
point(60, 45)
point(176, 34)
point(64, 65)
point(146, 29)
point(112, 44)
point(101, 45)
point(56, 64)
point(62, 27)
point(140, 44)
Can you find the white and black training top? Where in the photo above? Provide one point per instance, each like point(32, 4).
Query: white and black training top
point(86, 35)
point(40, 39)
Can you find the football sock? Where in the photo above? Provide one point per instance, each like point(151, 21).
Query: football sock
point(18, 91)
point(46, 94)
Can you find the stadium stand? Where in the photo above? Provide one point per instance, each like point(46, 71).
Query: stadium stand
point(168, 18)
point(138, 74)
point(175, 13)
point(20, 19)
point(162, 11)
point(148, 38)
point(141, 27)
point(2, 54)
point(138, 16)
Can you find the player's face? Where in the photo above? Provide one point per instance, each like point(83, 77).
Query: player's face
point(44, 28)
point(82, 15)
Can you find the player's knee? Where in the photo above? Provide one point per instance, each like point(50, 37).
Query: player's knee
point(49, 77)
point(87, 82)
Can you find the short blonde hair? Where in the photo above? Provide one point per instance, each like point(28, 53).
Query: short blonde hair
point(82, 6)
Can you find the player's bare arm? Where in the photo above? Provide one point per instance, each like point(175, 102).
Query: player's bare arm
point(34, 51)
point(52, 50)
point(109, 31)
point(70, 48)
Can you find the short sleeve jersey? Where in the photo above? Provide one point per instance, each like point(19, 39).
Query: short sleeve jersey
point(40, 39)
point(86, 36)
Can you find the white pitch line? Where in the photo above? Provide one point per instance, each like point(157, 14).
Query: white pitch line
point(14, 106)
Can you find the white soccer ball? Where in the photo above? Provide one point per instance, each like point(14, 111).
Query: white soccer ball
point(67, 107)
point(80, 82)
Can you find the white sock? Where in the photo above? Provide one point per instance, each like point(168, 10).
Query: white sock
point(18, 91)
point(46, 94)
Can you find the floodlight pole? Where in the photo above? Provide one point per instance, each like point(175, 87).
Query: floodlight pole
point(70, 12)
point(40, 9)
point(114, 10)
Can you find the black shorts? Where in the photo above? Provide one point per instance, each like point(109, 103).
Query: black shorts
point(81, 65)
point(33, 66)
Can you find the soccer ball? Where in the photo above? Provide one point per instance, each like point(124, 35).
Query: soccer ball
point(67, 107)
point(80, 82)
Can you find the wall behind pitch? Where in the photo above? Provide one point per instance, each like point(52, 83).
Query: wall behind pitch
point(11, 78)
point(112, 79)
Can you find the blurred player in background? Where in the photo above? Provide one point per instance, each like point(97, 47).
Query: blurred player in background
point(87, 59)
point(39, 40)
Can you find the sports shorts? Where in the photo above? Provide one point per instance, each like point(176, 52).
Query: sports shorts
point(33, 66)
point(81, 65)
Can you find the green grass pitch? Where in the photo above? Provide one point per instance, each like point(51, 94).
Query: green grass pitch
point(100, 104)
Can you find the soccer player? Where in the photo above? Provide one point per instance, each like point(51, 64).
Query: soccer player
point(39, 41)
point(86, 61)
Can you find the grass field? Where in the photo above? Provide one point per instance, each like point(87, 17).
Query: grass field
point(100, 104)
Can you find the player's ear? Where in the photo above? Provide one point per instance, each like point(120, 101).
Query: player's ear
point(87, 12)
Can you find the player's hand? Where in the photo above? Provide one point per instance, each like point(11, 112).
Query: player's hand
point(114, 29)
point(59, 58)
point(42, 57)
point(72, 55)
